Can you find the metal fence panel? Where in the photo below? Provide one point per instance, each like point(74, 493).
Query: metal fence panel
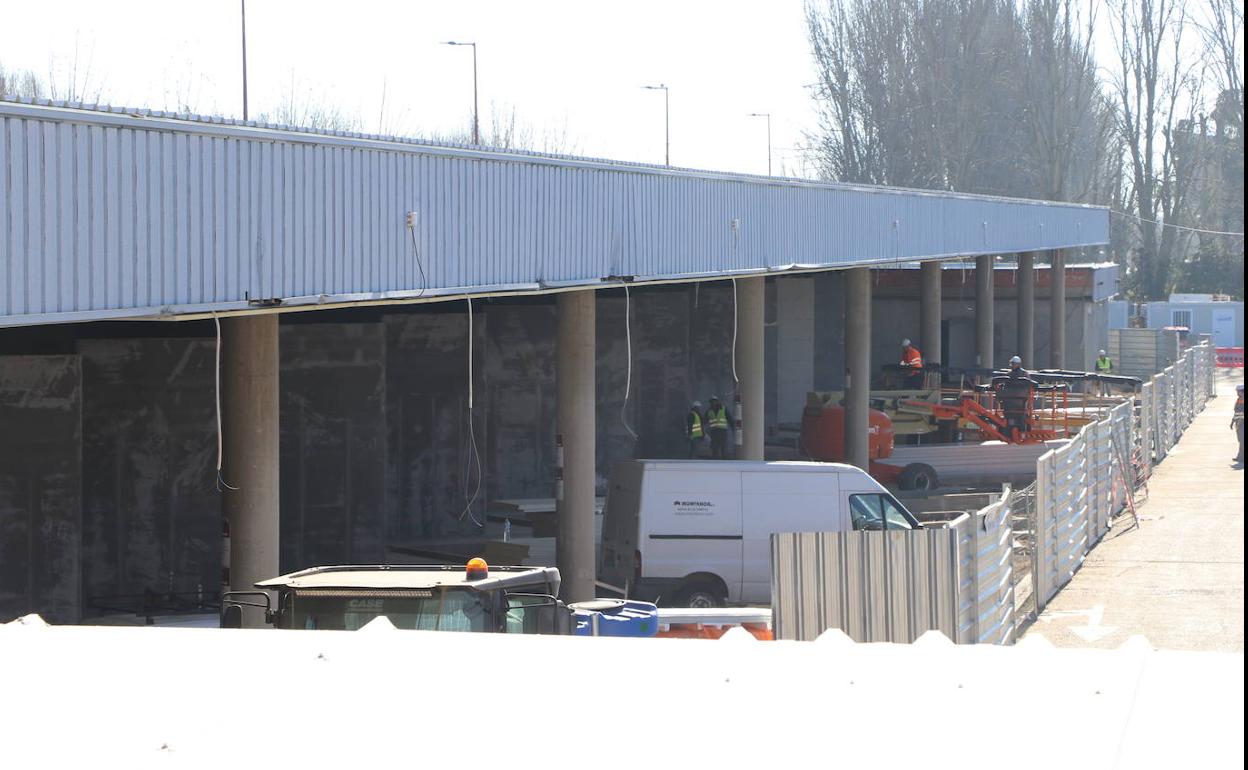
point(894, 586)
point(993, 575)
point(1080, 488)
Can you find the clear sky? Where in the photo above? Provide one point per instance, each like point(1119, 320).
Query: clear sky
point(572, 68)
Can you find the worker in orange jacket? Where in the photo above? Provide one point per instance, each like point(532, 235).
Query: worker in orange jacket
point(911, 365)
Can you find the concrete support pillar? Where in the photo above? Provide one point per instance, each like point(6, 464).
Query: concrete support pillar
point(984, 302)
point(1026, 308)
point(249, 423)
point(857, 365)
point(929, 312)
point(575, 424)
point(751, 296)
point(795, 346)
point(1057, 311)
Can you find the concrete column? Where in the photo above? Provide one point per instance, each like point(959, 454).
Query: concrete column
point(575, 423)
point(751, 300)
point(929, 312)
point(249, 423)
point(795, 346)
point(984, 302)
point(1057, 310)
point(857, 365)
point(1026, 308)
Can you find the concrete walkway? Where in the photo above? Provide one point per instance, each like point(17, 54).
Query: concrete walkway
point(1179, 579)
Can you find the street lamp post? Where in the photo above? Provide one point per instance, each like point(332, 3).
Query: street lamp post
point(768, 116)
point(667, 121)
point(476, 124)
point(244, 24)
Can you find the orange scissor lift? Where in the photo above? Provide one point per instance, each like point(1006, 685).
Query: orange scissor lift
point(985, 408)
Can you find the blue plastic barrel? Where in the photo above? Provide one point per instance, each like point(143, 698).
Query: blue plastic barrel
point(615, 617)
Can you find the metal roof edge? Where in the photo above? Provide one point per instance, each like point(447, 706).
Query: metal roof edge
point(144, 118)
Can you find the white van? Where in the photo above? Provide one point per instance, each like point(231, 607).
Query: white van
point(697, 533)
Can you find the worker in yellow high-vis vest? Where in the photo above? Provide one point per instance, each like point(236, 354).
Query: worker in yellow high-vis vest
point(717, 425)
point(1104, 365)
point(693, 428)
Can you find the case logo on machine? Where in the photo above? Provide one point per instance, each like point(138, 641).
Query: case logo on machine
point(693, 507)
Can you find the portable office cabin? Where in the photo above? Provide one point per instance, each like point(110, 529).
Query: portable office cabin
point(1201, 314)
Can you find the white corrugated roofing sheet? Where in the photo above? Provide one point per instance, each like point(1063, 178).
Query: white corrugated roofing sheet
point(117, 213)
point(174, 698)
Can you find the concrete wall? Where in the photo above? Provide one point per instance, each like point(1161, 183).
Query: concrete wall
point(375, 442)
point(150, 509)
point(375, 447)
point(333, 443)
point(40, 487)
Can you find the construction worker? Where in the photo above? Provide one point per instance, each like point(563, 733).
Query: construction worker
point(693, 428)
point(1237, 421)
point(716, 421)
point(911, 365)
point(1016, 367)
point(1104, 365)
point(1015, 392)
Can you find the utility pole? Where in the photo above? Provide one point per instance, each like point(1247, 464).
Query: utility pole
point(476, 122)
point(244, 20)
point(667, 121)
point(768, 116)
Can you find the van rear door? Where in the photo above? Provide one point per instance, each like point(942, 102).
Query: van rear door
point(691, 522)
point(776, 500)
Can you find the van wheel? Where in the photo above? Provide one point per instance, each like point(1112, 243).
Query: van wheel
point(699, 594)
point(919, 477)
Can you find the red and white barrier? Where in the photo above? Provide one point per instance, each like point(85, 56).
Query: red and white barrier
point(1229, 358)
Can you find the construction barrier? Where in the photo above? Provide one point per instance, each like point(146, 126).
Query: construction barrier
point(893, 586)
point(961, 578)
point(1230, 358)
point(1082, 486)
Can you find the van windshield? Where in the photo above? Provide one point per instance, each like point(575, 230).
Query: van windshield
point(437, 609)
point(875, 511)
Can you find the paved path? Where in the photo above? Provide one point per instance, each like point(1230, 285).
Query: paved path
point(1179, 579)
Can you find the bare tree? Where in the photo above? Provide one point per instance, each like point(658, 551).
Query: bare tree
point(504, 129)
point(1067, 121)
point(966, 95)
point(1152, 82)
point(22, 84)
point(300, 107)
point(1223, 34)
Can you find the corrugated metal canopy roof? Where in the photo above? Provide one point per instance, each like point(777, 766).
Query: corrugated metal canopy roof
point(116, 213)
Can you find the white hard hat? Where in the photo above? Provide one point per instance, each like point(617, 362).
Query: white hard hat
point(905, 342)
point(697, 404)
point(1100, 352)
point(1016, 360)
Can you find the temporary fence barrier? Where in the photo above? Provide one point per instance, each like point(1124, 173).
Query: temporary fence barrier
point(960, 578)
point(893, 586)
point(1230, 358)
point(1081, 487)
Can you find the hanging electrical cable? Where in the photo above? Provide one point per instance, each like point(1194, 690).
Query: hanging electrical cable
point(221, 483)
point(735, 379)
point(410, 221)
point(628, 376)
point(472, 437)
point(738, 408)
